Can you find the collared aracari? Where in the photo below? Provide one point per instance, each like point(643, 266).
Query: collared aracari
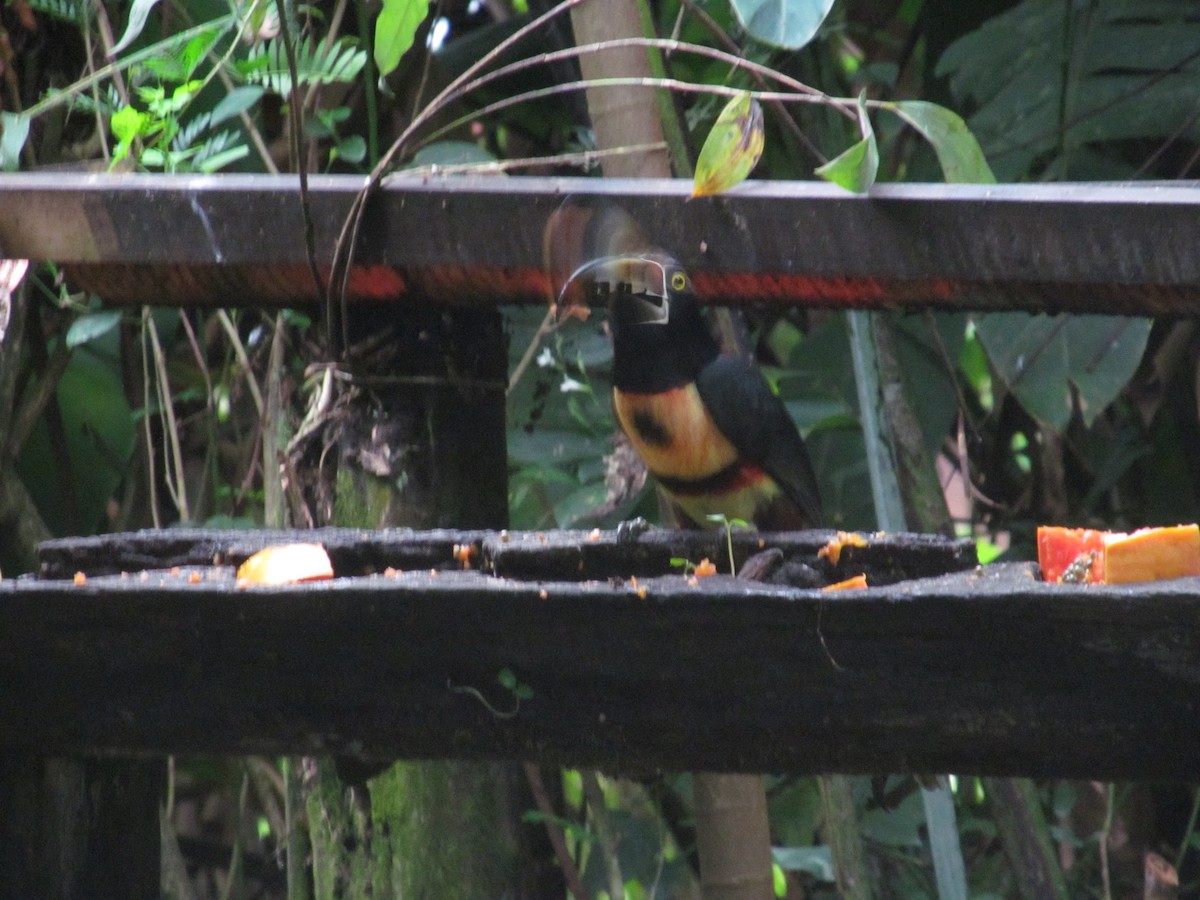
point(708, 426)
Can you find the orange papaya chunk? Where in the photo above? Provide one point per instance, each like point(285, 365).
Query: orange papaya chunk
point(1060, 548)
point(1152, 554)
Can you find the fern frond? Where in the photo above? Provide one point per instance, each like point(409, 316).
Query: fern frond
point(76, 11)
point(315, 64)
point(216, 143)
point(191, 130)
point(107, 100)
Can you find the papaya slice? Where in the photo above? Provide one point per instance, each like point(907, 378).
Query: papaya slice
point(285, 564)
point(1087, 556)
point(1152, 554)
point(1065, 551)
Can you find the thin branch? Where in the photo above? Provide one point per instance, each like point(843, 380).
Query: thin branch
point(151, 476)
point(177, 484)
point(101, 128)
point(239, 350)
point(583, 159)
point(300, 154)
point(555, 833)
point(545, 328)
point(605, 832)
point(669, 83)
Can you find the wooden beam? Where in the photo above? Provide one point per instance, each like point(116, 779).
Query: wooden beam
point(982, 671)
point(238, 240)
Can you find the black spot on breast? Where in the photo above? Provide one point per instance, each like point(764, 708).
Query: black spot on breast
point(650, 429)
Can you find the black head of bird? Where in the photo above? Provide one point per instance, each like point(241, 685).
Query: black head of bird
point(660, 339)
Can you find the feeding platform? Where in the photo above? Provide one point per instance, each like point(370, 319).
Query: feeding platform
point(622, 661)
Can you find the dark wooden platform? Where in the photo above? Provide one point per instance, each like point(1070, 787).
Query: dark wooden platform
point(237, 240)
point(979, 671)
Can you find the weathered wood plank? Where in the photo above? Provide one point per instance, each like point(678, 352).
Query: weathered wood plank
point(986, 672)
point(238, 240)
point(559, 555)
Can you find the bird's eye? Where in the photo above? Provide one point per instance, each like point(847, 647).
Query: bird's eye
point(678, 281)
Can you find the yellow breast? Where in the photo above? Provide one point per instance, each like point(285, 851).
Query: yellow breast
point(673, 433)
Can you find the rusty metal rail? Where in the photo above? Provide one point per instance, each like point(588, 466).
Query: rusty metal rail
point(238, 240)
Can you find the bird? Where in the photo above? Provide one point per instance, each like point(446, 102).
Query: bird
point(715, 437)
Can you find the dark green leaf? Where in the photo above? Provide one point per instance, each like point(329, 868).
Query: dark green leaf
point(855, 168)
point(783, 23)
point(1125, 71)
point(14, 129)
point(99, 431)
point(1041, 357)
point(957, 149)
point(92, 325)
point(898, 827)
point(552, 446)
point(352, 149)
point(236, 101)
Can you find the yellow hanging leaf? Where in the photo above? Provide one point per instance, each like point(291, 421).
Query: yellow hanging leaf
point(732, 149)
point(286, 564)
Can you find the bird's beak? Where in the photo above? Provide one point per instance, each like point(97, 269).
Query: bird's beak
point(634, 287)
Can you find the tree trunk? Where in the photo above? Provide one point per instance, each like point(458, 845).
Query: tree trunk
point(76, 828)
point(421, 445)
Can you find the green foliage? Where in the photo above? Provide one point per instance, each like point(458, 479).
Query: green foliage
point(1053, 363)
point(139, 10)
point(783, 23)
point(560, 428)
point(325, 125)
point(1051, 87)
point(732, 148)
point(67, 10)
point(92, 325)
point(855, 167)
point(395, 29)
point(97, 433)
point(14, 129)
point(958, 151)
point(316, 63)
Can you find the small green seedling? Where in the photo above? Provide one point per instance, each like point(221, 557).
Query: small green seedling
point(509, 682)
point(729, 524)
point(679, 562)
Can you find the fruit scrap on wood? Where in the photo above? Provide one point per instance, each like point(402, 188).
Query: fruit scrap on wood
point(833, 550)
point(857, 583)
point(285, 564)
point(1087, 556)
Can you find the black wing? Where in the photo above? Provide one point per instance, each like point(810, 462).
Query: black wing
point(757, 423)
